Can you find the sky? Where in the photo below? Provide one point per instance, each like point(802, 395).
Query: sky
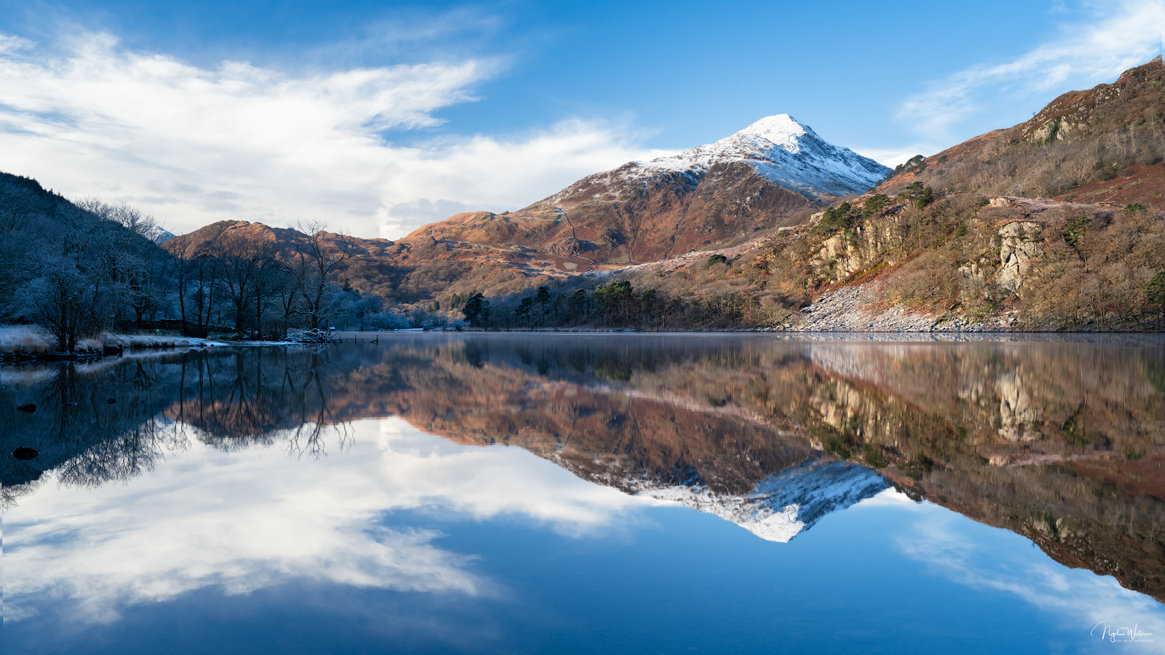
point(378, 117)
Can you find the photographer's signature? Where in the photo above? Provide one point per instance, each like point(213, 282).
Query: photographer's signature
point(1111, 633)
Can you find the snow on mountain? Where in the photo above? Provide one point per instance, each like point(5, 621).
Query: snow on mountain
point(784, 504)
point(161, 235)
point(781, 150)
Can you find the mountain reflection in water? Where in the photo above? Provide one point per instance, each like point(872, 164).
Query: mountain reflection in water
point(1062, 443)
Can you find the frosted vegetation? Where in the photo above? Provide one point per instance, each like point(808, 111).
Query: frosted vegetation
point(71, 274)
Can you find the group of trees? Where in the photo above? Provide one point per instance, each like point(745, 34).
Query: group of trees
point(80, 268)
point(579, 302)
point(76, 269)
point(250, 287)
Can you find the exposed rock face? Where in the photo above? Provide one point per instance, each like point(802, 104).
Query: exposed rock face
point(1020, 246)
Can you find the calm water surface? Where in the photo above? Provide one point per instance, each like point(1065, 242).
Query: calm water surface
point(590, 494)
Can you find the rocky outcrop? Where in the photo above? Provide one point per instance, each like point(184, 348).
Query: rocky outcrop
point(1020, 245)
point(1019, 418)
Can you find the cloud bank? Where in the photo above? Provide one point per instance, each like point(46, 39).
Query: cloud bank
point(192, 146)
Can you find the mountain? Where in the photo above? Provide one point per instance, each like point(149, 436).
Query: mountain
point(757, 178)
point(772, 173)
point(1052, 224)
point(162, 235)
point(780, 150)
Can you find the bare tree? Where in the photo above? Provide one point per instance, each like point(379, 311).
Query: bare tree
point(65, 302)
point(268, 281)
point(199, 283)
point(241, 262)
point(318, 253)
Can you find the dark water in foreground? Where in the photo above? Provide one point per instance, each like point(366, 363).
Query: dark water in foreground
point(590, 494)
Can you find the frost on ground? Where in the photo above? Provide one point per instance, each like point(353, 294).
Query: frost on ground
point(34, 340)
point(25, 339)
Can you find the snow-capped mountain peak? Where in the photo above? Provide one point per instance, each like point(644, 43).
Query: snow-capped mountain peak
point(784, 504)
point(782, 130)
point(781, 150)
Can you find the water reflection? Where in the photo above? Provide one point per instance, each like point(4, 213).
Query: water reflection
point(1061, 443)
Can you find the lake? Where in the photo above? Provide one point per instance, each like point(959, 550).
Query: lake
point(584, 493)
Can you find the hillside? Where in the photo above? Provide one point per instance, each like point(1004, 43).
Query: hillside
point(1105, 144)
point(75, 268)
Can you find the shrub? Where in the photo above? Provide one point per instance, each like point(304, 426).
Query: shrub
point(874, 457)
point(875, 204)
point(1074, 231)
point(1155, 289)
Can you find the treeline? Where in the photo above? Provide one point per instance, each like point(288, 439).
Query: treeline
point(78, 269)
point(618, 303)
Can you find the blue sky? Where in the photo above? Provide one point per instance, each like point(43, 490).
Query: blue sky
point(379, 117)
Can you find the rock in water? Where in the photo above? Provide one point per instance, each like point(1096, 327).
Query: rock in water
point(112, 401)
point(24, 454)
point(28, 408)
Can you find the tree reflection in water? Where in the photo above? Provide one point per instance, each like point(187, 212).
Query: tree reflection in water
point(1062, 443)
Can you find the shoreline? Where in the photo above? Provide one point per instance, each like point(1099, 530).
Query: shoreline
point(159, 344)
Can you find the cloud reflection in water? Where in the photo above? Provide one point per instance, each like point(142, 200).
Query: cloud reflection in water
point(256, 518)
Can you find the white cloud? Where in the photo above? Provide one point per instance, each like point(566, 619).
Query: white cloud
point(1113, 37)
point(894, 156)
point(254, 518)
point(193, 146)
point(1077, 597)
